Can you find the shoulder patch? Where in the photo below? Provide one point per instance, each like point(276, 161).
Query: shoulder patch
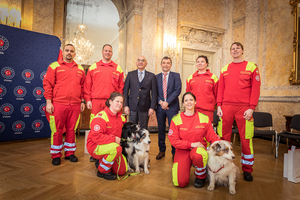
point(54, 65)
point(189, 78)
point(92, 67)
point(97, 127)
point(224, 68)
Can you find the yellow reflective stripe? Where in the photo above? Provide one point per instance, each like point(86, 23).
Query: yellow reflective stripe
point(249, 129)
point(119, 69)
point(207, 143)
point(77, 122)
point(125, 160)
point(92, 116)
point(219, 127)
point(123, 118)
point(203, 118)
point(215, 78)
point(92, 67)
point(177, 120)
point(174, 174)
point(189, 78)
point(52, 127)
point(224, 68)
point(110, 149)
point(54, 65)
point(204, 154)
point(251, 66)
point(251, 146)
point(80, 67)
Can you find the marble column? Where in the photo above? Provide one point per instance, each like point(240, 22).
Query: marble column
point(228, 36)
point(43, 16)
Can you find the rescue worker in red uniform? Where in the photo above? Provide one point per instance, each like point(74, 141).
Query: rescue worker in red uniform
point(189, 133)
point(63, 85)
point(204, 85)
point(238, 95)
point(103, 78)
point(103, 142)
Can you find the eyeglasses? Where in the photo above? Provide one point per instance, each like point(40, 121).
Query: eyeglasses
point(138, 60)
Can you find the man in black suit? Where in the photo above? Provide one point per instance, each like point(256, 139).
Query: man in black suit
point(140, 92)
point(169, 88)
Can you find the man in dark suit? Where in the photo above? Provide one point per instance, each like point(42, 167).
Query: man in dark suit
point(169, 88)
point(140, 92)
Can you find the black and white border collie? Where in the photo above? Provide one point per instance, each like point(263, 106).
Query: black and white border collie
point(135, 143)
point(220, 167)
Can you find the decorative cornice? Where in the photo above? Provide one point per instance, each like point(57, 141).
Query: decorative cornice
point(282, 99)
point(135, 9)
point(199, 33)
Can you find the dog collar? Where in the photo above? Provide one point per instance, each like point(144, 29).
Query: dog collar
point(216, 171)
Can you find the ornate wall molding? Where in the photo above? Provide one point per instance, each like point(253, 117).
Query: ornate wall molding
point(198, 33)
point(135, 9)
point(282, 99)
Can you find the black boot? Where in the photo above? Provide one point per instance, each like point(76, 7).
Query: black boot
point(248, 176)
point(199, 183)
point(72, 158)
point(107, 176)
point(56, 161)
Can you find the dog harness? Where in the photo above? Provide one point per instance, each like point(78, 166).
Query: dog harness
point(216, 171)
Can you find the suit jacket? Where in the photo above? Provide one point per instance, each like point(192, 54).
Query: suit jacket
point(173, 91)
point(141, 97)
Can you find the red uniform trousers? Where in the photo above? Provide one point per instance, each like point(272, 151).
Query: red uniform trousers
point(183, 161)
point(97, 106)
point(63, 116)
point(209, 114)
point(110, 158)
point(246, 131)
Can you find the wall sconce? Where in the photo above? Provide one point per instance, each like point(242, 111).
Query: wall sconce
point(10, 16)
point(170, 46)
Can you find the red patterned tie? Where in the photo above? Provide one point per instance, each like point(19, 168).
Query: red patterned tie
point(165, 86)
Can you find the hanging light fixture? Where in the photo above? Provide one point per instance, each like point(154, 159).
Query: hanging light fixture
point(84, 49)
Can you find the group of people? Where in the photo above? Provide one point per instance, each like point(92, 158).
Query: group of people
point(236, 95)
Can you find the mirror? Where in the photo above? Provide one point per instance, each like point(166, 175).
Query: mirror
point(295, 75)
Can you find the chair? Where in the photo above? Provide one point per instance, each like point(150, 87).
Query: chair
point(262, 120)
point(295, 124)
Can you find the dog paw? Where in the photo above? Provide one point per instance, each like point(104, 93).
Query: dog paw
point(232, 191)
point(137, 171)
point(147, 171)
point(210, 187)
point(130, 170)
point(141, 169)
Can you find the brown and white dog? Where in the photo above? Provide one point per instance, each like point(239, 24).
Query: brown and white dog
point(220, 167)
point(136, 145)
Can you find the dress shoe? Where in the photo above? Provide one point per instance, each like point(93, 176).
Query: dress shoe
point(56, 161)
point(92, 159)
point(72, 158)
point(107, 176)
point(160, 155)
point(199, 183)
point(248, 176)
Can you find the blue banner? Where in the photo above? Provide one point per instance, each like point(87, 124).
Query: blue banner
point(24, 59)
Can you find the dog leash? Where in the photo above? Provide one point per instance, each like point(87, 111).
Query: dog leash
point(216, 171)
point(119, 164)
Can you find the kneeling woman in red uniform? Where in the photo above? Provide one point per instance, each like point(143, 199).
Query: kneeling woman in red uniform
point(103, 142)
point(204, 85)
point(189, 133)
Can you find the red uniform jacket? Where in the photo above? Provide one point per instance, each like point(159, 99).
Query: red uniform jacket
point(64, 85)
point(105, 127)
point(239, 85)
point(185, 130)
point(204, 87)
point(103, 79)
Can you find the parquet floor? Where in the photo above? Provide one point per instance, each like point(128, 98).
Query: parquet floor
point(26, 172)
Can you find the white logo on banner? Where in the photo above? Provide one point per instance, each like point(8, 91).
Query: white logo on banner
point(2, 127)
point(4, 44)
point(20, 91)
point(37, 125)
point(26, 109)
point(42, 75)
point(8, 72)
point(6, 109)
point(27, 74)
point(3, 91)
point(38, 92)
point(18, 126)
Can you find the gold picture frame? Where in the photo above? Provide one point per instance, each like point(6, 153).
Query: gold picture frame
point(295, 75)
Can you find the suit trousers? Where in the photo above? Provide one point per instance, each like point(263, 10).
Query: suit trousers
point(139, 117)
point(161, 122)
